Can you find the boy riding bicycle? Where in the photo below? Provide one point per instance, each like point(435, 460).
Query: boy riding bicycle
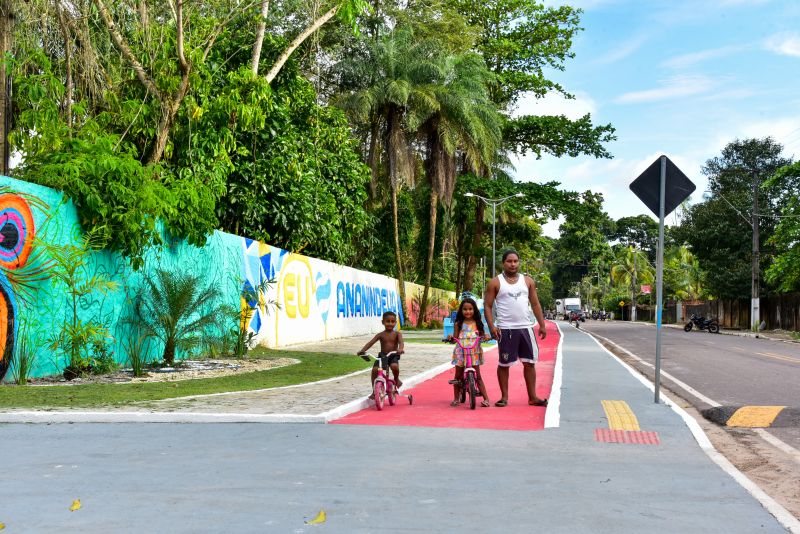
point(391, 341)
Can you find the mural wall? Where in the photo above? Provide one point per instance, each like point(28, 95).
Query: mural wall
point(312, 299)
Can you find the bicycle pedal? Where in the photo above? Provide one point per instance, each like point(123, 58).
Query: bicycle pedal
point(454, 382)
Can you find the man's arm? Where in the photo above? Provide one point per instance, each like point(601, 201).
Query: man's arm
point(488, 304)
point(536, 307)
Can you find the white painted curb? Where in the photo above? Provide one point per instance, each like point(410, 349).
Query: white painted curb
point(552, 414)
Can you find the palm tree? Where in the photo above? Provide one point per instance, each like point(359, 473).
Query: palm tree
point(630, 268)
point(461, 123)
point(684, 274)
point(399, 82)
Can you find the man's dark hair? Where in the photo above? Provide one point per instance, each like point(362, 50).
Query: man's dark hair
point(387, 314)
point(508, 252)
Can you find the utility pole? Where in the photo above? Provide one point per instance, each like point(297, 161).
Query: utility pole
point(6, 18)
point(755, 315)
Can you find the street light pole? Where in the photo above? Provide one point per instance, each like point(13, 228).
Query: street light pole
point(494, 202)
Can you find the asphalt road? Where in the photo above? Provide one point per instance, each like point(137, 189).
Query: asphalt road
point(729, 370)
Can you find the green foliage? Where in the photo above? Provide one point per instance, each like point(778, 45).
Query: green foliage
point(24, 356)
point(582, 247)
point(784, 271)
point(174, 308)
point(101, 360)
point(521, 40)
point(137, 347)
point(118, 198)
point(72, 268)
point(718, 231)
point(558, 136)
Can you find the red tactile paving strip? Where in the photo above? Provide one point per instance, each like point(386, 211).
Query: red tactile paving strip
point(432, 398)
point(638, 437)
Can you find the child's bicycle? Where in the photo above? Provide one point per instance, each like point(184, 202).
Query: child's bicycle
point(468, 383)
point(384, 387)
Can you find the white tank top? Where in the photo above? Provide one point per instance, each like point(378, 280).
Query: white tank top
point(511, 306)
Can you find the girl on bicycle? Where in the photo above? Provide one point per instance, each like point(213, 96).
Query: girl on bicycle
point(467, 329)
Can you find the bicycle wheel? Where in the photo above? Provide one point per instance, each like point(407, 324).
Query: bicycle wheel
point(392, 393)
point(379, 390)
point(472, 389)
point(463, 394)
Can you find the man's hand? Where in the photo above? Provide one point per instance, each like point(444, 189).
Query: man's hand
point(401, 351)
point(486, 337)
point(542, 332)
point(495, 332)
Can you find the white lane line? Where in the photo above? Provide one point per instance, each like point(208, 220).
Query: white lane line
point(682, 384)
point(781, 514)
point(552, 416)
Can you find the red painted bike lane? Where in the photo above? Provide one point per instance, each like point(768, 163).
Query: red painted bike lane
point(432, 398)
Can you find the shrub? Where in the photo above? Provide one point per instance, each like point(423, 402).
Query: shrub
point(174, 308)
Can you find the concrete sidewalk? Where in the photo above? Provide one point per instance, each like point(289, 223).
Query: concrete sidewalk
point(661, 474)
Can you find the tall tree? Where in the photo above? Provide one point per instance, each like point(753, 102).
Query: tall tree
point(398, 84)
point(631, 268)
point(727, 230)
point(461, 121)
point(640, 231)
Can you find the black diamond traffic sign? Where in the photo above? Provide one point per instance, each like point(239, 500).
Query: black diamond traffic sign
point(648, 186)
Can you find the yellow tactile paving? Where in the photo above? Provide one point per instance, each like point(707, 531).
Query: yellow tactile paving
point(620, 416)
point(755, 416)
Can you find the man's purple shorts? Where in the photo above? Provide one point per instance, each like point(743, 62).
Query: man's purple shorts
point(517, 344)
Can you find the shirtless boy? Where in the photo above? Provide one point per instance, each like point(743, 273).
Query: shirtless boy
point(391, 341)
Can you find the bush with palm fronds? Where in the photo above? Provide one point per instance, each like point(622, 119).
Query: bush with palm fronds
point(174, 308)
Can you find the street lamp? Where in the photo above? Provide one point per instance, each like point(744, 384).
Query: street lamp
point(494, 202)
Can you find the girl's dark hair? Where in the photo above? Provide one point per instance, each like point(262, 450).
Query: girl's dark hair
point(476, 316)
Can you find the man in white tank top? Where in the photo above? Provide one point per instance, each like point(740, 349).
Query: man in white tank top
point(506, 305)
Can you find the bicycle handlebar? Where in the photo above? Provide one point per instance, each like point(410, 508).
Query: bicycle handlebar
point(368, 357)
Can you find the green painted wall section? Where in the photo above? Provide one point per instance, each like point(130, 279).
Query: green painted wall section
point(47, 304)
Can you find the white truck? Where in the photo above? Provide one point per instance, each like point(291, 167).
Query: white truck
point(566, 305)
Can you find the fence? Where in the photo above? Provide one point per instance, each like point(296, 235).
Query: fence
point(776, 311)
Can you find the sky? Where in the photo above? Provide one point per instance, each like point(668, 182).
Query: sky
point(681, 78)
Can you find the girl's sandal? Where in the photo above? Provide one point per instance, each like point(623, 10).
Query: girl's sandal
point(485, 403)
point(454, 403)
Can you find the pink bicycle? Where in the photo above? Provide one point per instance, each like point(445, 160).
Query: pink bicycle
point(384, 387)
point(468, 383)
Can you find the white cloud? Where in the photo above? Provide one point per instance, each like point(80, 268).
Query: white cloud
point(674, 87)
point(556, 104)
point(786, 43)
point(624, 50)
point(692, 58)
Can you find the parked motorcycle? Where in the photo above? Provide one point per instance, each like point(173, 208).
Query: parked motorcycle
point(702, 323)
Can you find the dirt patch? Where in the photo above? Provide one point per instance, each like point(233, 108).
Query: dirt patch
point(186, 370)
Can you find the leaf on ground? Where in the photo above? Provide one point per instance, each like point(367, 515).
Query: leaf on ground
point(76, 505)
point(321, 517)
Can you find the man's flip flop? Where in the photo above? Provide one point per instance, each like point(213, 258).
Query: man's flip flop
point(540, 402)
point(501, 403)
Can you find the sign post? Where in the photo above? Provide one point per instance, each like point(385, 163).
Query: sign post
point(662, 187)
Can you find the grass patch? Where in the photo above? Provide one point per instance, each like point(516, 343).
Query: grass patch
point(313, 366)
